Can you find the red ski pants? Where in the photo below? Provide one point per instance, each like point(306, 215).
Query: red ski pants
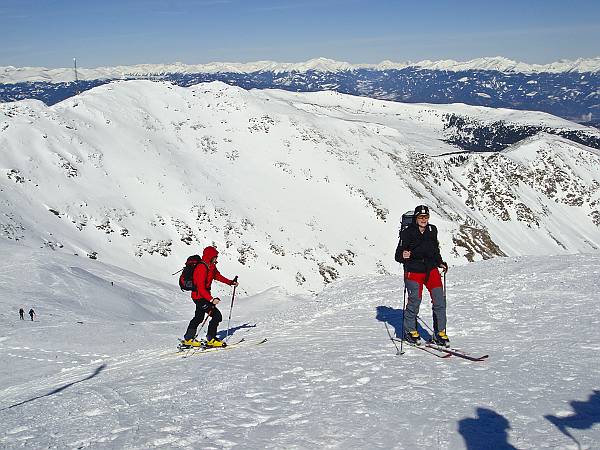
point(433, 281)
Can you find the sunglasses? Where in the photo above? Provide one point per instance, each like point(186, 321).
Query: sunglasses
point(423, 216)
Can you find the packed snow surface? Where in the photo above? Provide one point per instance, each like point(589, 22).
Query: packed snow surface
point(98, 368)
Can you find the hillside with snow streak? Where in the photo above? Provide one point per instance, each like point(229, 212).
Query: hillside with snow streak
point(328, 377)
point(295, 189)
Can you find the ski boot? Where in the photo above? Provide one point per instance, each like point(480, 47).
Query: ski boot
point(192, 343)
point(441, 338)
point(214, 342)
point(412, 337)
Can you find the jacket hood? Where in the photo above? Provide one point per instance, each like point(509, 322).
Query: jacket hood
point(209, 253)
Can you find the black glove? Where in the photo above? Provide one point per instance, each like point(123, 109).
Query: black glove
point(444, 267)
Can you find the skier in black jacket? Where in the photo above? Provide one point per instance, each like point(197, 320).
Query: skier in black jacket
point(419, 251)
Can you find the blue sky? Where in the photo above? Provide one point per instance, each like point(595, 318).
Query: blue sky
point(111, 32)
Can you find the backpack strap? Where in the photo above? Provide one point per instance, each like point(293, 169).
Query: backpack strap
point(201, 262)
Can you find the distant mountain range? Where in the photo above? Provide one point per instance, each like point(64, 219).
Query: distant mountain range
point(568, 89)
point(295, 189)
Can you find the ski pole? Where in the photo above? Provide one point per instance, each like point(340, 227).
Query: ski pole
point(231, 308)
point(425, 325)
point(445, 299)
point(391, 337)
point(403, 313)
point(208, 314)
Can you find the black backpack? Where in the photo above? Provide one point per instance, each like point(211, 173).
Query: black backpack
point(407, 218)
point(186, 279)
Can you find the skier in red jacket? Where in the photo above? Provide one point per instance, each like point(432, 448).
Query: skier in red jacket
point(204, 274)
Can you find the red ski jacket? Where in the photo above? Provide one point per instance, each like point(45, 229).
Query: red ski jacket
point(205, 273)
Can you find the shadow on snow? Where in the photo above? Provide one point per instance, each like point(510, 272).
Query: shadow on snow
point(221, 334)
point(394, 318)
point(489, 430)
point(60, 389)
point(585, 415)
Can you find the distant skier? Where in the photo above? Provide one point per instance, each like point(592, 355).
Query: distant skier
point(31, 313)
point(419, 251)
point(21, 313)
point(204, 274)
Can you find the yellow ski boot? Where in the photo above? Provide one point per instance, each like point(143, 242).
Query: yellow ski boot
point(412, 337)
point(191, 343)
point(441, 338)
point(214, 342)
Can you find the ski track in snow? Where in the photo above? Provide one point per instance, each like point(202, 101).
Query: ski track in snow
point(328, 376)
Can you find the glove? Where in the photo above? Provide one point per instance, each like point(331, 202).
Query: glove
point(215, 300)
point(444, 267)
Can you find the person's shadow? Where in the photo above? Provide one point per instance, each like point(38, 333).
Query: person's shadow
point(585, 415)
point(94, 374)
point(485, 432)
point(394, 318)
point(223, 333)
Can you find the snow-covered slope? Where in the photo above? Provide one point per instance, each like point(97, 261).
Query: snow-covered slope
point(10, 74)
point(67, 288)
point(566, 89)
point(296, 190)
point(328, 376)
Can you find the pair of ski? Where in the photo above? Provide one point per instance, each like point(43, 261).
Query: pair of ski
point(444, 352)
point(190, 351)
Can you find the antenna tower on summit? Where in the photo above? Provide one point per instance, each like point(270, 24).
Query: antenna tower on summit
point(76, 78)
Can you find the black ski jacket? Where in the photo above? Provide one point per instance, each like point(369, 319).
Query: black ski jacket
point(424, 248)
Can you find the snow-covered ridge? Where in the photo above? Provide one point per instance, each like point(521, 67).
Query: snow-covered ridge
point(10, 74)
point(502, 64)
point(295, 189)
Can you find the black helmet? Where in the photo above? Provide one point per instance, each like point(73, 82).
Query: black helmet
point(421, 210)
